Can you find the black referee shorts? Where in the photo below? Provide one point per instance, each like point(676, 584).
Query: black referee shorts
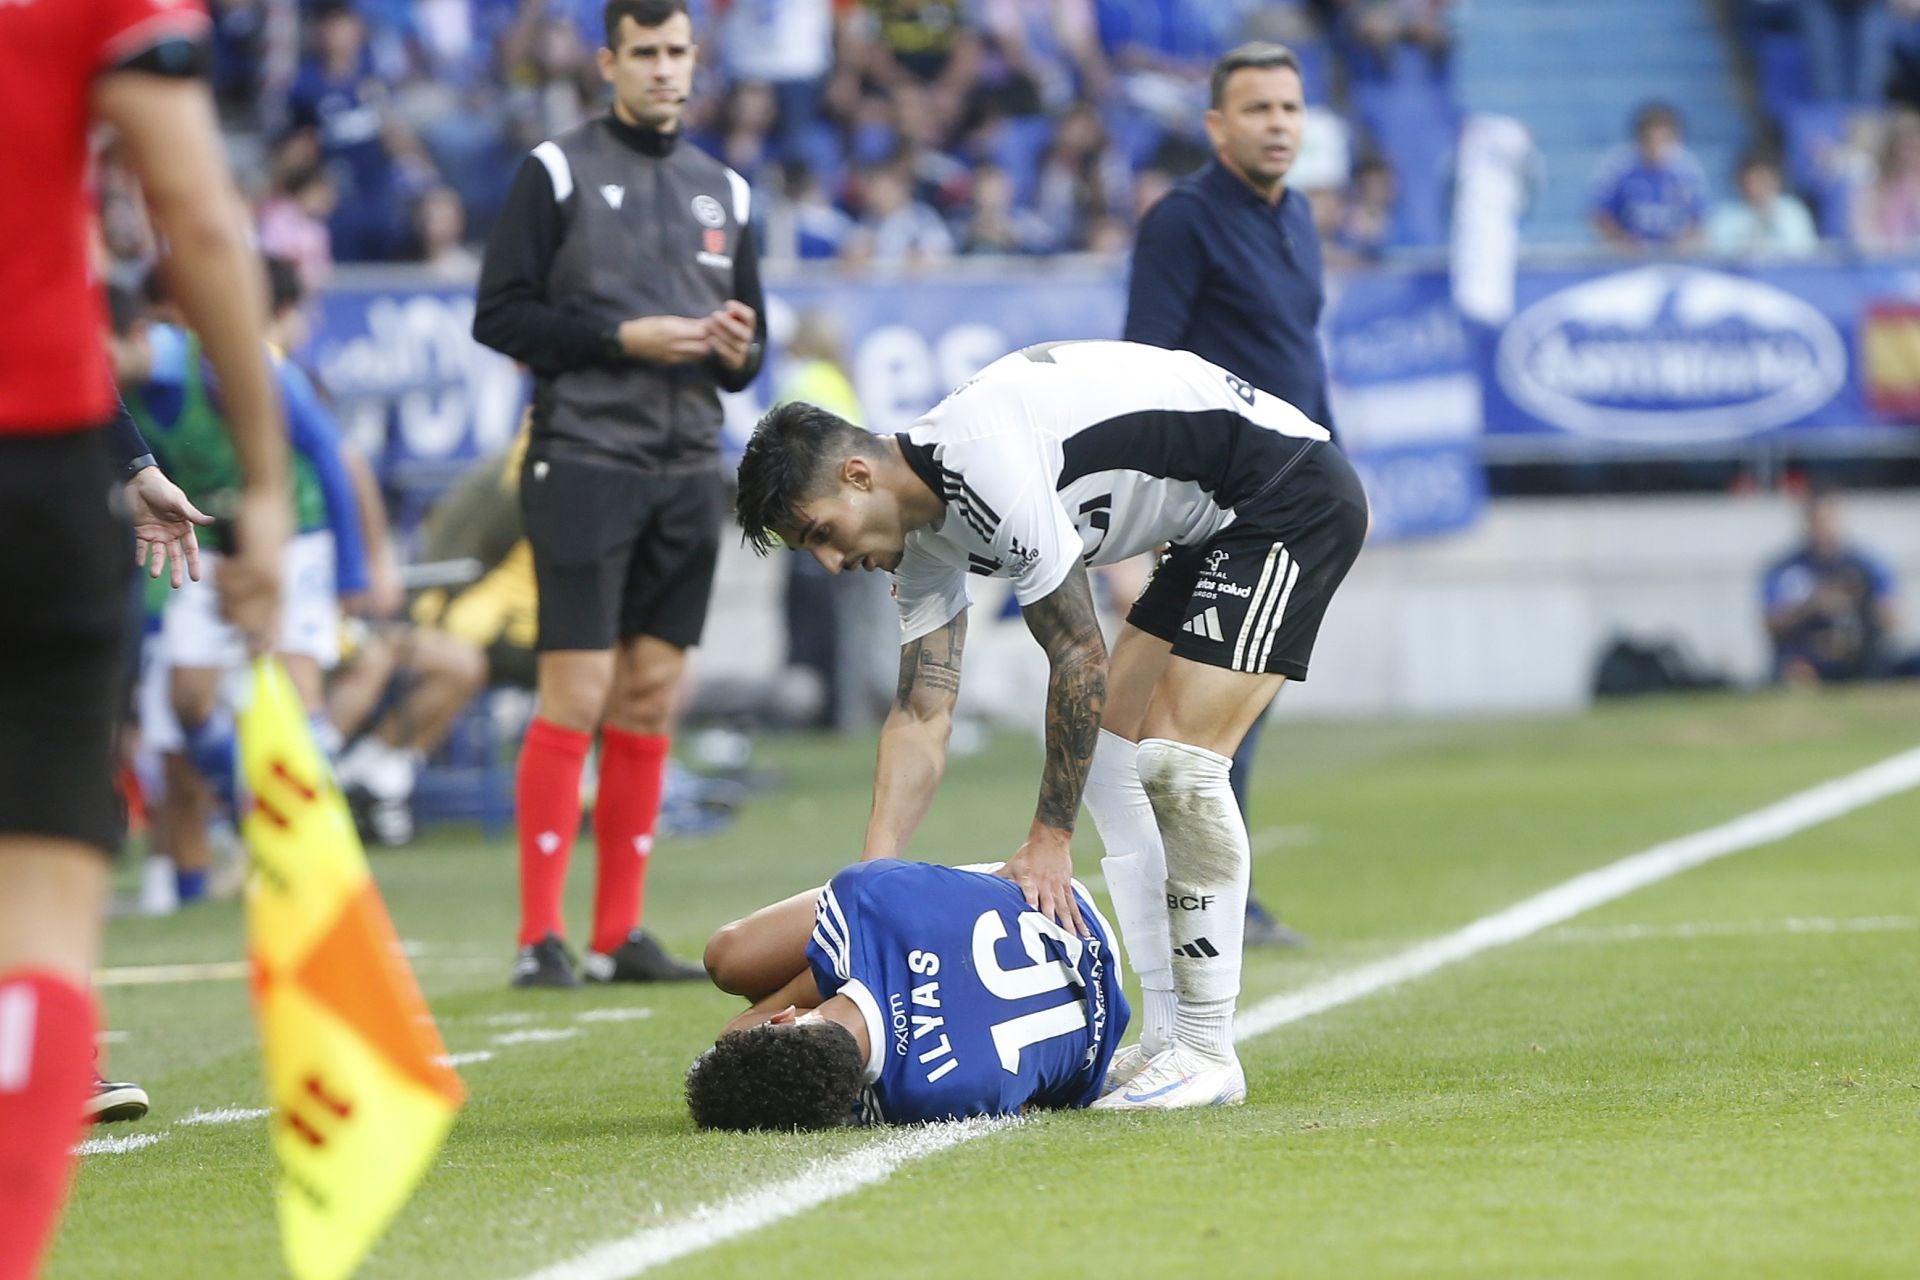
point(1252, 598)
point(66, 562)
point(617, 553)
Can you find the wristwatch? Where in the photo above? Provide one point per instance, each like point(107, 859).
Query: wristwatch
point(137, 465)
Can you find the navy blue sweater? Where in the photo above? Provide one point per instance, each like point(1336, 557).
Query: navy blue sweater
point(1221, 273)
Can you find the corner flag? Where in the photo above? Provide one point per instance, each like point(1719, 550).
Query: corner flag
point(362, 1096)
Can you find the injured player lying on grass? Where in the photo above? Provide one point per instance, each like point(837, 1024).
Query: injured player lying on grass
point(903, 992)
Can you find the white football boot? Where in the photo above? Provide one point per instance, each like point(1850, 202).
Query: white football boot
point(1177, 1079)
point(1128, 1062)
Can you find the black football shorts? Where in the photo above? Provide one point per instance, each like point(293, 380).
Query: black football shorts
point(1251, 599)
point(619, 553)
point(66, 566)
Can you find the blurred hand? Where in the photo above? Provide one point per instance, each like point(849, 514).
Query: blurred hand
point(1043, 868)
point(730, 333)
point(384, 594)
point(249, 577)
point(163, 520)
point(665, 339)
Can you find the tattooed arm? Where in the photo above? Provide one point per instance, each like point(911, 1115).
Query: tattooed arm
point(913, 741)
point(1066, 626)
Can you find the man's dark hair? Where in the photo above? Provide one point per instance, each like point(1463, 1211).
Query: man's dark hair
point(790, 460)
point(1258, 54)
point(777, 1077)
point(1654, 113)
point(285, 288)
point(645, 13)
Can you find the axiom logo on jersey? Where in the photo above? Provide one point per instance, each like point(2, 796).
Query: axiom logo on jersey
point(1671, 353)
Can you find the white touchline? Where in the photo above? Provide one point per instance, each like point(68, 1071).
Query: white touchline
point(1777, 821)
point(117, 1146)
point(1733, 928)
point(825, 1180)
point(225, 1115)
point(820, 1182)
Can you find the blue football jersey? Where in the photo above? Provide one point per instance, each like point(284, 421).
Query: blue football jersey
point(975, 1003)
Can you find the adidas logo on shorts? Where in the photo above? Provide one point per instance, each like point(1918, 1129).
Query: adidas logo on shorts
point(1205, 624)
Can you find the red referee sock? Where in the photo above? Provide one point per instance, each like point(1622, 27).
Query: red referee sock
point(547, 800)
point(633, 767)
point(46, 1057)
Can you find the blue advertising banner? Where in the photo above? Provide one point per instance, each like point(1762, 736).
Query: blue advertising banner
point(416, 391)
point(1673, 354)
point(410, 385)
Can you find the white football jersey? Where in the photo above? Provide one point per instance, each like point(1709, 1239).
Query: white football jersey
point(1094, 451)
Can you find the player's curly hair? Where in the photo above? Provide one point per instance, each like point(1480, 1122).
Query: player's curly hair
point(791, 459)
point(777, 1077)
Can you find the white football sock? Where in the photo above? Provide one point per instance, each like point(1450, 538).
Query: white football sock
point(1136, 871)
point(1208, 866)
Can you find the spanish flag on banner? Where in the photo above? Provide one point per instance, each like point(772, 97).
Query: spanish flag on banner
point(362, 1096)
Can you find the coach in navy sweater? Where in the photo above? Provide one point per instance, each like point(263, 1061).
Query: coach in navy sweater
point(1227, 266)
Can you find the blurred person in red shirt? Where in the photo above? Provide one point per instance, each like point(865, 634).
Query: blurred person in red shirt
point(76, 487)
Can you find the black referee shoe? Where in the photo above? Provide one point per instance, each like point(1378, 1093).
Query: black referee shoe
point(545, 963)
point(640, 958)
point(113, 1101)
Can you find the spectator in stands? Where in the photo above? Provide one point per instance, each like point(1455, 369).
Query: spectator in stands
point(1364, 228)
point(786, 45)
point(997, 224)
point(931, 42)
point(802, 223)
point(939, 178)
point(895, 229)
point(1903, 55)
point(1887, 213)
point(746, 142)
point(1829, 605)
point(1847, 44)
point(293, 224)
point(1048, 53)
point(1765, 220)
point(440, 223)
point(551, 77)
point(1082, 179)
point(1388, 40)
point(1651, 195)
point(340, 100)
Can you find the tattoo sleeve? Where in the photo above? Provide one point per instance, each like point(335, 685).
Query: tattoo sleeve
point(930, 669)
point(1067, 628)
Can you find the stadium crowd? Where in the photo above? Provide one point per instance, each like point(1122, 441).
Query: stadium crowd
point(908, 132)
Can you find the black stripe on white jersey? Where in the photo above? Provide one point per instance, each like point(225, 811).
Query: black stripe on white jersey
point(1220, 450)
point(960, 495)
point(984, 567)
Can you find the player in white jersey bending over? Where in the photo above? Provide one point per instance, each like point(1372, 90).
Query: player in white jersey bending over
point(1052, 459)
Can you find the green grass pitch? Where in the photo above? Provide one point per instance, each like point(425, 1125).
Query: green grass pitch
point(1717, 1075)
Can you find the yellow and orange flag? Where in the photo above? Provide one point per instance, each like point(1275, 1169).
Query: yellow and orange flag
point(362, 1096)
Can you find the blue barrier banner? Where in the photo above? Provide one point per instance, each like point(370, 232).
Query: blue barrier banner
point(418, 393)
point(1673, 354)
point(411, 386)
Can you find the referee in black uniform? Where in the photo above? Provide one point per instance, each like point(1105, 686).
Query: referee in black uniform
point(1227, 266)
point(623, 273)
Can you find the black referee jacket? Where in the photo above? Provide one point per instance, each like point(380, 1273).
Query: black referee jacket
point(606, 223)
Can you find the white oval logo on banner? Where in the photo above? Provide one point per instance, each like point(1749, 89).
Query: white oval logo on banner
point(708, 213)
point(1668, 353)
